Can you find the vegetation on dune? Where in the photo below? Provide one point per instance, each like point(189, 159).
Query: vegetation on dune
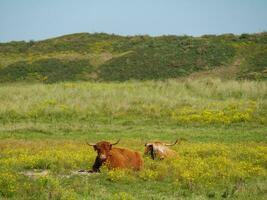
point(167, 57)
point(255, 66)
point(118, 58)
point(48, 70)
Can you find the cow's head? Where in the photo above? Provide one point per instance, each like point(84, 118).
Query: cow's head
point(103, 149)
point(151, 147)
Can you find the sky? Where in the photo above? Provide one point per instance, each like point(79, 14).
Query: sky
point(42, 19)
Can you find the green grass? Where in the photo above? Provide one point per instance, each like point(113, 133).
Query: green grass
point(43, 129)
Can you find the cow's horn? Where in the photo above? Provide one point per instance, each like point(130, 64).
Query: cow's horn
point(116, 142)
point(171, 144)
point(90, 144)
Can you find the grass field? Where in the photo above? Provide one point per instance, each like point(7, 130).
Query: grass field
point(43, 129)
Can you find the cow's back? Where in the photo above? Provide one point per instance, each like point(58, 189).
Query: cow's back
point(124, 158)
point(162, 151)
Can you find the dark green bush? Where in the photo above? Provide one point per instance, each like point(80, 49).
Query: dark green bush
point(46, 70)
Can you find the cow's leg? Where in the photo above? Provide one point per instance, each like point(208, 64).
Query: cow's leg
point(152, 153)
point(97, 165)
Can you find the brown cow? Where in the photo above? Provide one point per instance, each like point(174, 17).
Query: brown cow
point(115, 157)
point(159, 149)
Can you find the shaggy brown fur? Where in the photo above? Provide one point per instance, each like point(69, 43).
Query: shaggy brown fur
point(115, 158)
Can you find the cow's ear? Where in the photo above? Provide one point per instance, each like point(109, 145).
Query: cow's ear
point(110, 146)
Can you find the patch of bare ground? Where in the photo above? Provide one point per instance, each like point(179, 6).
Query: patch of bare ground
point(35, 173)
point(225, 72)
point(99, 59)
point(83, 172)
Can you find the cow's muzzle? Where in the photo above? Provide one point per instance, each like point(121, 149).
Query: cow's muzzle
point(103, 157)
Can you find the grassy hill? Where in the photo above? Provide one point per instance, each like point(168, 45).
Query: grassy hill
point(104, 57)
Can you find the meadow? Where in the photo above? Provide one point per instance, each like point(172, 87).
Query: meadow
point(44, 129)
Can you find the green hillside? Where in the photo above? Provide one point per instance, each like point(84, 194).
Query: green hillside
point(104, 57)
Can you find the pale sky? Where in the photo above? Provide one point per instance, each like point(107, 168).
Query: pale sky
point(42, 19)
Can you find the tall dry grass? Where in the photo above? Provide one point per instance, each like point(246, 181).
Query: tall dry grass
point(150, 98)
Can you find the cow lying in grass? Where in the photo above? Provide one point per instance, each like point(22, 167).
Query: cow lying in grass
point(115, 158)
point(160, 150)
